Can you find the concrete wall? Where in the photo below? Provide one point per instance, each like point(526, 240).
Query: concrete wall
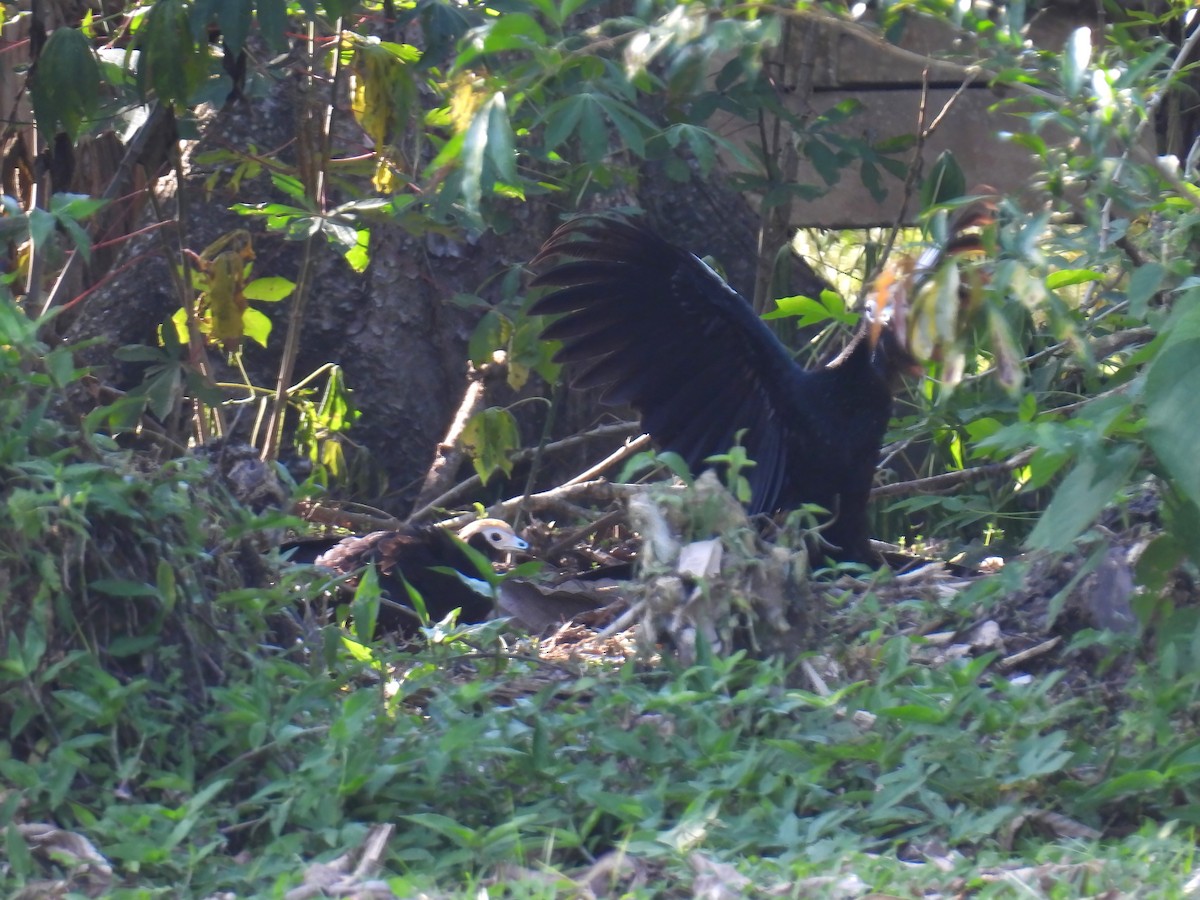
point(824, 66)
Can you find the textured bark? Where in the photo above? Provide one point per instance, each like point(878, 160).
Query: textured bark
point(393, 329)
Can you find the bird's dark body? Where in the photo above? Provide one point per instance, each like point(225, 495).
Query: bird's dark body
point(657, 329)
point(416, 552)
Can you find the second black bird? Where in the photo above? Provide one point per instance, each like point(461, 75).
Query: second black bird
point(415, 554)
point(659, 330)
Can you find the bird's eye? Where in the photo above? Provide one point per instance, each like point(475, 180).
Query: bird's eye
point(495, 536)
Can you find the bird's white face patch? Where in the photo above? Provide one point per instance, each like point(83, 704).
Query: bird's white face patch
point(504, 539)
point(497, 534)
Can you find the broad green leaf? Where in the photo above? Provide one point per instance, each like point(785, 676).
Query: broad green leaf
point(255, 325)
point(944, 183)
point(911, 712)
point(75, 206)
point(335, 9)
point(119, 587)
point(1065, 277)
point(41, 226)
point(336, 413)
point(270, 289)
point(488, 438)
point(1140, 781)
point(171, 62)
point(631, 125)
point(593, 136)
point(471, 160)
point(272, 23)
point(511, 31)
point(17, 853)
point(65, 84)
point(1172, 386)
point(812, 312)
point(60, 366)
point(562, 118)
point(501, 145)
point(1086, 490)
point(1143, 283)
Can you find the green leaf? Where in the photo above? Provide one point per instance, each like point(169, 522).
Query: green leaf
point(256, 326)
point(912, 712)
point(171, 62)
point(117, 587)
point(365, 606)
point(474, 150)
point(1172, 386)
point(65, 84)
point(1143, 284)
point(1065, 277)
point(631, 125)
point(60, 366)
point(1088, 488)
point(501, 145)
point(234, 18)
point(445, 826)
point(131, 645)
point(830, 307)
point(41, 226)
point(75, 206)
point(19, 859)
point(511, 31)
point(824, 160)
point(488, 438)
point(945, 181)
point(269, 290)
point(562, 118)
point(272, 23)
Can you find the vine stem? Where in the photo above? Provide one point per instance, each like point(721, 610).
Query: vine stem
point(316, 191)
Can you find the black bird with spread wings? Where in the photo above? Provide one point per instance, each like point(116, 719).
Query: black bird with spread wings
point(659, 330)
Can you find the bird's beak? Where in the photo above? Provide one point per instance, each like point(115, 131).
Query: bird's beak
point(888, 315)
point(889, 306)
point(515, 544)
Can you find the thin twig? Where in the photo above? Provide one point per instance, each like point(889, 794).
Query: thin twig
point(316, 194)
point(133, 152)
point(935, 484)
point(450, 497)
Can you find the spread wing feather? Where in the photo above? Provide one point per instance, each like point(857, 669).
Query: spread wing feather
point(658, 329)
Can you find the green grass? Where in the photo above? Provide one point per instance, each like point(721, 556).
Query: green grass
point(160, 699)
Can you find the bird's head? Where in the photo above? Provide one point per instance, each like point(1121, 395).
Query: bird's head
point(914, 308)
point(493, 536)
point(887, 323)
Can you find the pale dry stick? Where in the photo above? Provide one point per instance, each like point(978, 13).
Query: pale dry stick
point(600, 491)
point(450, 452)
point(1029, 653)
point(915, 165)
point(626, 450)
point(451, 496)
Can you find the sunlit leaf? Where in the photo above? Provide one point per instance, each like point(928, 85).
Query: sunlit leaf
point(1075, 58)
point(270, 289)
point(489, 437)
